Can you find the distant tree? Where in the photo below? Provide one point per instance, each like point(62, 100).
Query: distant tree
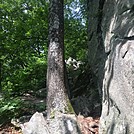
point(0, 75)
point(57, 98)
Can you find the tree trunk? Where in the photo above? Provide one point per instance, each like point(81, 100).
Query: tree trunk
point(57, 99)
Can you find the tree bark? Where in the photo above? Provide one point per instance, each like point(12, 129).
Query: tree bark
point(57, 99)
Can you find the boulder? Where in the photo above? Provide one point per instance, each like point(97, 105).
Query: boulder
point(111, 54)
point(61, 124)
point(118, 83)
point(36, 125)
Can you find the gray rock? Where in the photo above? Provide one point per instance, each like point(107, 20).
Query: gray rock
point(61, 124)
point(112, 41)
point(36, 125)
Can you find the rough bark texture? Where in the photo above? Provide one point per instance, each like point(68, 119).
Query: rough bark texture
point(111, 54)
point(57, 99)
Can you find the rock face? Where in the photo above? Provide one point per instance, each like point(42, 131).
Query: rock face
point(111, 54)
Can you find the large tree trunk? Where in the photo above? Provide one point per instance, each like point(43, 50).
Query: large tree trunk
point(57, 99)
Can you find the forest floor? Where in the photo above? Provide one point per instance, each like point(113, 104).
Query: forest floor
point(88, 125)
point(10, 129)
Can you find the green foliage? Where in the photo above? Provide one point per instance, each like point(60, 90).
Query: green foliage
point(24, 42)
point(15, 108)
point(29, 107)
point(40, 107)
point(28, 79)
point(75, 30)
point(9, 109)
point(23, 49)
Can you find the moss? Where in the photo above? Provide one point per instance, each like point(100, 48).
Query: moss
point(52, 114)
point(69, 108)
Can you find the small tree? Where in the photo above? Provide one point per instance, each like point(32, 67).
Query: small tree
point(0, 76)
point(57, 98)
